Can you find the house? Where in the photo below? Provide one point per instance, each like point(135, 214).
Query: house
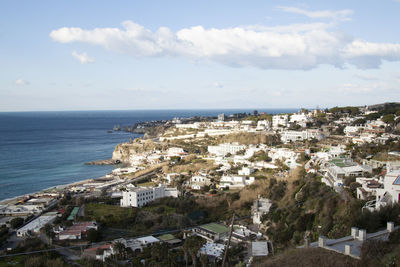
point(175, 152)
point(169, 239)
point(140, 196)
point(77, 230)
point(260, 207)
point(280, 121)
point(137, 244)
point(98, 252)
point(368, 187)
point(211, 231)
point(300, 119)
point(390, 193)
point(214, 251)
point(352, 130)
point(246, 171)
point(235, 181)
point(261, 248)
point(198, 181)
point(263, 125)
point(241, 233)
point(340, 168)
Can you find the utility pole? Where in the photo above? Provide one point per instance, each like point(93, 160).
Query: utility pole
point(229, 241)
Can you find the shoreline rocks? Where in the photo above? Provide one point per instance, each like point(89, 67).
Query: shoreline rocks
point(103, 162)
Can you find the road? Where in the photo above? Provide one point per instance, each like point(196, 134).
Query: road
point(12, 242)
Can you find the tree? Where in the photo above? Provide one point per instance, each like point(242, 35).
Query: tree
point(16, 222)
point(389, 118)
point(193, 244)
point(93, 235)
point(120, 251)
point(204, 260)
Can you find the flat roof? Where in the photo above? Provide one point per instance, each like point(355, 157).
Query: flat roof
point(72, 216)
point(166, 237)
point(259, 248)
point(37, 223)
point(340, 162)
point(215, 227)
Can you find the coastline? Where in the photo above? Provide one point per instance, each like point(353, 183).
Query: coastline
point(8, 201)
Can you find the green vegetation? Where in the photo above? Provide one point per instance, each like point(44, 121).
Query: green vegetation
point(45, 259)
point(260, 156)
point(110, 215)
point(308, 205)
point(3, 234)
point(16, 222)
point(353, 111)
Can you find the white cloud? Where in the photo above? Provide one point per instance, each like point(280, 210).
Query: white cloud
point(366, 77)
point(22, 82)
point(83, 58)
point(297, 46)
point(218, 85)
point(319, 14)
point(357, 88)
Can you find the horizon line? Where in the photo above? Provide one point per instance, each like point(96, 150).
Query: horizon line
point(155, 109)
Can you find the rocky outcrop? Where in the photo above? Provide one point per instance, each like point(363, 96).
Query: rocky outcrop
point(103, 162)
point(122, 152)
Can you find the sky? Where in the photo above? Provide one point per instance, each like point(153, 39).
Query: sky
point(127, 55)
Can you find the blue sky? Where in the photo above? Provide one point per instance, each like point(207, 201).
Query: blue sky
point(96, 55)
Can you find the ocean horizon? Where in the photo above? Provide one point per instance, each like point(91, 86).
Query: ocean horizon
point(43, 149)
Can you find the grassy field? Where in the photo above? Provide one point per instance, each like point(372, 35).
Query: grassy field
point(16, 261)
point(157, 208)
point(111, 215)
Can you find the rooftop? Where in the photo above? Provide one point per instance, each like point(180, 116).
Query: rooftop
point(215, 227)
point(166, 237)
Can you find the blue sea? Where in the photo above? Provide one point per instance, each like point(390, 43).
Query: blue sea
point(39, 150)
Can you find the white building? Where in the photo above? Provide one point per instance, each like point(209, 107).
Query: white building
point(198, 181)
point(390, 193)
point(300, 119)
point(140, 196)
point(235, 181)
point(341, 168)
point(224, 149)
point(280, 121)
point(292, 136)
point(213, 250)
point(368, 187)
point(176, 152)
point(246, 171)
point(260, 207)
point(352, 130)
point(34, 226)
point(263, 125)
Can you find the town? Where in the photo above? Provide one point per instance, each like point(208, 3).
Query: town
point(235, 190)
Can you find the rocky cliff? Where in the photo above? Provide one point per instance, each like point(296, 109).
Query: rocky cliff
point(122, 152)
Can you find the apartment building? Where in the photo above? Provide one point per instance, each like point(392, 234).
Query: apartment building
point(140, 196)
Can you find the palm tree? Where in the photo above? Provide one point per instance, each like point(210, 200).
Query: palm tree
point(193, 244)
point(120, 250)
point(204, 260)
point(185, 252)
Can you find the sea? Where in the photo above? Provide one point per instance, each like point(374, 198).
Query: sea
point(39, 150)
